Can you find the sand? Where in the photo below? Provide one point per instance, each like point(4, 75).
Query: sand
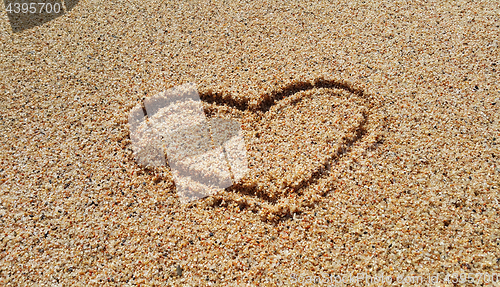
point(410, 189)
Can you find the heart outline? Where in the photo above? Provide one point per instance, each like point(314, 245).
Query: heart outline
point(250, 196)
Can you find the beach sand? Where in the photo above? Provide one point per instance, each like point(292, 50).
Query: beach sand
point(409, 186)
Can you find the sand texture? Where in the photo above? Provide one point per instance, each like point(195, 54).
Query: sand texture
point(371, 130)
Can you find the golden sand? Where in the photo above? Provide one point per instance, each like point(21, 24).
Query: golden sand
point(408, 185)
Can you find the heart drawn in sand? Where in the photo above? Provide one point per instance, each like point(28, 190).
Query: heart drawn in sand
point(265, 152)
